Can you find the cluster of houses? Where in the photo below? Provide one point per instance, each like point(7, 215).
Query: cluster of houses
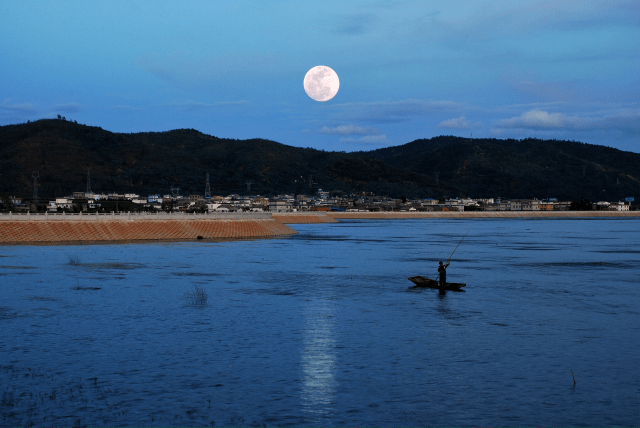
point(374, 203)
point(322, 201)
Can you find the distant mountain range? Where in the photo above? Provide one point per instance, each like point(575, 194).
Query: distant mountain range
point(154, 162)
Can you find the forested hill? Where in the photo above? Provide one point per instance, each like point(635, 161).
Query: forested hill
point(143, 163)
point(153, 162)
point(520, 168)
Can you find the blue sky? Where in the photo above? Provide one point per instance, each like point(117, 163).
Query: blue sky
point(408, 69)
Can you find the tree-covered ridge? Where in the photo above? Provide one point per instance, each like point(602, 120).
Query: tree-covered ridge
point(154, 162)
point(521, 168)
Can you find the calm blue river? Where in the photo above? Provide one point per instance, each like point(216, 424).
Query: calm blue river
point(321, 328)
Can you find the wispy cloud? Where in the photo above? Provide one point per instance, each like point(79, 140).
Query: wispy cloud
point(626, 121)
point(458, 123)
point(538, 119)
point(24, 108)
point(369, 139)
point(537, 104)
point(350, 130)
point(393, 111)
point(16, 112)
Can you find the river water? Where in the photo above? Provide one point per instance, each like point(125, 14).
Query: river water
point(321, 329)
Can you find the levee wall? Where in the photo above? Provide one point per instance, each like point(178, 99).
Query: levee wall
point(104, 229)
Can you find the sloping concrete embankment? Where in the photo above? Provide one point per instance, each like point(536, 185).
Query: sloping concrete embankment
point(79, 231)
point(306, 218)
point(481, 214)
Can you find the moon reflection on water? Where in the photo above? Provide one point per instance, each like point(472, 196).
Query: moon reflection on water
point(318, 358)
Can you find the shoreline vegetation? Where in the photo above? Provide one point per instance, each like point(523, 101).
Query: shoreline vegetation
point(38, 230)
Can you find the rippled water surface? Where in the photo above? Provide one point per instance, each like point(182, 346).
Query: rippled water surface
point(321, 328)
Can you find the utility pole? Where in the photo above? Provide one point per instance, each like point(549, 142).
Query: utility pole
point(437, 173)
point(35, 176)
point(207, 189)
point(88, 182)
point(248, 183)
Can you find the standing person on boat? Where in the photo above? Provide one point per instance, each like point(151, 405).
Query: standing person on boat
point(442, 270)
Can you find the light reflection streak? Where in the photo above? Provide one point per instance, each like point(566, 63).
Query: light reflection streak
point(319, 358)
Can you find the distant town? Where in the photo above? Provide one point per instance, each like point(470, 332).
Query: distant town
point(88, 202)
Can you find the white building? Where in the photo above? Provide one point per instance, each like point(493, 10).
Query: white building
point(280, 206)
point(212, 206)
point(62, 203)
point(530, 205)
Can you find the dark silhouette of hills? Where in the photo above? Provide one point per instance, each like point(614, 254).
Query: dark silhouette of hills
point(153, 162)
point(521, 168)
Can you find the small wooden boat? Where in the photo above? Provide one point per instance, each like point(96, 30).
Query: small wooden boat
point(424, 282)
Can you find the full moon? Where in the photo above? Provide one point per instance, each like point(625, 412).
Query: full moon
point(321, 83)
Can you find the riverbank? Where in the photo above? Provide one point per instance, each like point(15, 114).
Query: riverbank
point(304, 218)
point(128, 227)
point(110, 230)
point(480, 214)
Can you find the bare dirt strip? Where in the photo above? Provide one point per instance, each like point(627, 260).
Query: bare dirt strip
point(34, 232)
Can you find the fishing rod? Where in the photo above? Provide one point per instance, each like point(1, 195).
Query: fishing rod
point(458, 245)
point(454, 250)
